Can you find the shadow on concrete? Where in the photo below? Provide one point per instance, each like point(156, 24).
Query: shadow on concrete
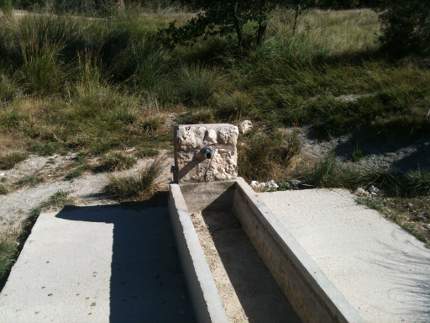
point(261, 298)
point(412, 284)
point(147, 283)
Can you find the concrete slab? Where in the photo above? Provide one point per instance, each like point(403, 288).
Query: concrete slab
point(383, 271)
point(115, 264)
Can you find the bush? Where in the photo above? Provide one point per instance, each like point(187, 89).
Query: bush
point(406, 27)
point(196, 84)
point(266, 155)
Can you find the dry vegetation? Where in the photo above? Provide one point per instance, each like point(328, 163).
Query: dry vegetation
point(96, 86)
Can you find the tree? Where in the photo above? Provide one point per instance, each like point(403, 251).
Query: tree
point(406, 26)
point(223, 17)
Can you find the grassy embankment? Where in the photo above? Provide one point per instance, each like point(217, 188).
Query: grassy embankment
point(95, 86)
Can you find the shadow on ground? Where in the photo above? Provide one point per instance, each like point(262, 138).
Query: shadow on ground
point(402, 153)
point(147, 283)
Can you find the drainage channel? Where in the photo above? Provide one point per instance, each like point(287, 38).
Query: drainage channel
point(247, 289)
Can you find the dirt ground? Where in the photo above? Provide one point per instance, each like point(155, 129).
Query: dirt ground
point(15, 206)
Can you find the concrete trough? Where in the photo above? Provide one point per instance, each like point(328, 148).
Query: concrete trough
point(241, 265)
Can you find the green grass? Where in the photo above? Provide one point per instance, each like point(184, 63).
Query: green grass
point(136, 186)
point(97, 85)
point(100, 85)
point(331, 173)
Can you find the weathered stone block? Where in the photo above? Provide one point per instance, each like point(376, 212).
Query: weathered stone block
point(205, 152)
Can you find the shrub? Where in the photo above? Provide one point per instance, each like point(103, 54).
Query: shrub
point(234, 106)
point(223, 17)
point(41, 73)
point(265, 155)
point(406, 26)
point(196, 84)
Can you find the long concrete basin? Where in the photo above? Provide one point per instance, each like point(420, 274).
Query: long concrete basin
point(242, 265)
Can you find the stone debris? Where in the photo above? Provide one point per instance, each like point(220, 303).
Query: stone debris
point(370, 192)
point(361, 192)
point(373, 190)
point(245, 127)
point(264, 186)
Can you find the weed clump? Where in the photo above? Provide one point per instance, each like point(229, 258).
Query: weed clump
point(141, 185)
point(55, 201)
point(265, 156)
point(9, 161)
point(3, 190)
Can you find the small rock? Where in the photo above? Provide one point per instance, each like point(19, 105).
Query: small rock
point(130, 150)
point(373, 190)
point(271, 185)
point(245, 127)
point(257, 186)
point(262, 186)
point(361, 192)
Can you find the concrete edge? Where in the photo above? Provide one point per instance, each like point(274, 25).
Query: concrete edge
point(201, 285)
point(331, 298)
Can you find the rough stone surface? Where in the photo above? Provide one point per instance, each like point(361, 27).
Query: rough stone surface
point(245, 127)
point(189, 142)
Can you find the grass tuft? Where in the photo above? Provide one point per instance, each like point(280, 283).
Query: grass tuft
point(56, 201)
point(3, 190)
point(9, 161)
point(8, 250)
point(196, 84)
point(265, 156)
point(141, 185)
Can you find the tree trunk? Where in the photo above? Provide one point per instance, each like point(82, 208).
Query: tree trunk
point(237, 25)
point(120, 4)
point(296, 17)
